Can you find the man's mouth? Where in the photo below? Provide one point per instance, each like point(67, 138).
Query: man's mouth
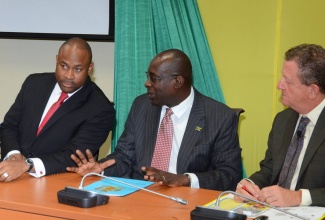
point(151, 95)
point(67, 84)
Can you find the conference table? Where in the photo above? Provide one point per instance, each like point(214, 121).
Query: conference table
point(36, 198)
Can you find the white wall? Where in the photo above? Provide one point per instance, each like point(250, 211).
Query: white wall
point(19, 58)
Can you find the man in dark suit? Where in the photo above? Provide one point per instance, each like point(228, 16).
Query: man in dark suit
point(205, 143)
point(83, 121)
point(303, 91)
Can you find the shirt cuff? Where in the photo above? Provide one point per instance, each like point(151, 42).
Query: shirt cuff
point(194, 180)
point(305, 197)
point(39, 168)
point(11, 153)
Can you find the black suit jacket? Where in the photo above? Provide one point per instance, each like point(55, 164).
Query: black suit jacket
point(83, 121)
point(210, 147)
point(312, 171)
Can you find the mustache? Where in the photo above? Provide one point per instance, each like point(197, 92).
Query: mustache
point(68, 82)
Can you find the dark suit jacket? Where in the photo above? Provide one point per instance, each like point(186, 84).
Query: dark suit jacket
point(83, 121)
point(210, 147)
point(312, 171)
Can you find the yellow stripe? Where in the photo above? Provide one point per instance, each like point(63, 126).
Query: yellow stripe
point(276, 54)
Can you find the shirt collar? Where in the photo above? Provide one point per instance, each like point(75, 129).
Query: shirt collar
point(181, 108)
point(57, 90)
point(314, 114)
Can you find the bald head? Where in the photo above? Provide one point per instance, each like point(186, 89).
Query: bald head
point(78, 43)
point(176, 62)
point(169, 78)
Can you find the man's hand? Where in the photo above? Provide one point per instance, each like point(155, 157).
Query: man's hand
point(12, 169)
point(165, 178)
point(17, 157)
point(248, 189)
point(88, 164)
point(278, 196)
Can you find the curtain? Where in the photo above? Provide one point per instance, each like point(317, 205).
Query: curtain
point(144, 28)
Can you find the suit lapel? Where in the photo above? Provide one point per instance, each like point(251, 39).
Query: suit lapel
point(151, 130)
point(315, 141)
point(193, 130)
point(40, 102)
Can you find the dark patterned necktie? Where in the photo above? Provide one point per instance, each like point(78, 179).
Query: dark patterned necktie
point(51, 111)
point(161, 155)
point(290, 162)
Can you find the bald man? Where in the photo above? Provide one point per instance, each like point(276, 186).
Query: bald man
point(204, 153)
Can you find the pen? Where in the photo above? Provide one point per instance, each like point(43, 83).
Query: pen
point(244, 188)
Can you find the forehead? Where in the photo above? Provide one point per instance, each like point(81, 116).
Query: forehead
point(73, 54)
point(290, 69)
point(161, 66)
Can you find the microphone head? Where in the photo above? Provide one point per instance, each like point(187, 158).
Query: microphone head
point(299, 133)
point(179, 200)
point(182, 201)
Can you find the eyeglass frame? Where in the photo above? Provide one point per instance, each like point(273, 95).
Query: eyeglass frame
point(154, 79)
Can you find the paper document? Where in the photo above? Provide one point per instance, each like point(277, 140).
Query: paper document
point(251, 209)
point(307, 212)
point(114, 188)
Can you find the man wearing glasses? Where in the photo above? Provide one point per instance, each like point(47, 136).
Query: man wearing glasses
point(174, 135)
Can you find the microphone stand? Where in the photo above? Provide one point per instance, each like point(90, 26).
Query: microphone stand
point(257, 201)
point(178, 200)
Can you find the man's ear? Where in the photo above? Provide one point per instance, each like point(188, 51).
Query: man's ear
point(91, 66)
point(314, 91)
point(179, 81)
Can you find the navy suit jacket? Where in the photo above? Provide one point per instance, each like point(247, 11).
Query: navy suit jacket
point(83, 121)
point(210, 147)
point(312, 171)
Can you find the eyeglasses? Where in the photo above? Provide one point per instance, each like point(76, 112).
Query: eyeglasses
point(154, 79)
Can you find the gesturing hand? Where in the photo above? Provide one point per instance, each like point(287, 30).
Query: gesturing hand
point(87, 164)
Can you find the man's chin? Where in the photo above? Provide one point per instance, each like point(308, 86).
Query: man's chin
point(284, 102)
point(154, 103)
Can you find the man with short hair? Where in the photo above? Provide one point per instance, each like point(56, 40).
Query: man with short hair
point(293, 170)
point(55, 114)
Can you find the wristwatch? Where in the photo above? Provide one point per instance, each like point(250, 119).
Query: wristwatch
point(30, 163)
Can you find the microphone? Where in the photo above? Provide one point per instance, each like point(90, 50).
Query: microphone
point(178, 200)
point(257, 201)
point(299, 133)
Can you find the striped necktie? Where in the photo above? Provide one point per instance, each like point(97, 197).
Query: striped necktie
point(161, 155)
point(290, 162)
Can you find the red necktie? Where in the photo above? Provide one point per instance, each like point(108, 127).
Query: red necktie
point(161, 155)
point(51, 111)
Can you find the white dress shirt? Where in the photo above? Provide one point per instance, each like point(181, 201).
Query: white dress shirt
point(313, 116)
point(180, 119)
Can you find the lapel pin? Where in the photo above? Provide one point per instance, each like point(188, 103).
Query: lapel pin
point(197, 128)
